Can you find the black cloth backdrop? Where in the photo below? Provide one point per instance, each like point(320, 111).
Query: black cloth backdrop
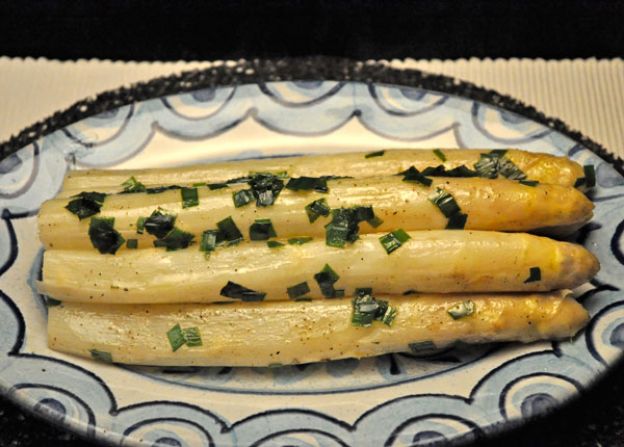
point(200, 30)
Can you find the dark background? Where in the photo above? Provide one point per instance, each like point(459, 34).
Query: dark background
point(443, 29)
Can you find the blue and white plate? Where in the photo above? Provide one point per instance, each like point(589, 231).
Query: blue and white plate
point(393, 400)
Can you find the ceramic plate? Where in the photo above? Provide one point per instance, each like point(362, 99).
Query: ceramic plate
point(240, 112)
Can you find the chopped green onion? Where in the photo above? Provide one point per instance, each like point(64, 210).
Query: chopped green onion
point(229, 231)
point(132, 185)
point(535, 274)
point(176, 337)
point(140, 225)
point(101, 356)
point(198, 184)
point(421, 347)
point(440, 171)
point(175, 240)
point(192, 337)
point(413, 175)
point(462, 310)
point(299, 240)
point(316, 209)
point(326, 279)
point(132, 244)
point(375, 221)
point(393, 240)
point(274, 244)
point(86, 204)
point(189, 197)
point(298, 290)
point(375, 154)
point(265, 187)
point(308, 184)
point(590, 177)
point(236, 291)
point(159, 223)
point(389, 315)
point(213, 186)
point(367, 309)
point(457, 221)
point(208, 241)
point(261, 230)
point(242, 197)
point(449, 207)
point(103, 235)
point(159, 189)
point(344, 226)
point(529, 182)
point(438, 153)
point(492, 164)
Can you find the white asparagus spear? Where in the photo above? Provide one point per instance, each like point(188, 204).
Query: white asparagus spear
point(537, 166)
point(438, 261)
point(263, 334)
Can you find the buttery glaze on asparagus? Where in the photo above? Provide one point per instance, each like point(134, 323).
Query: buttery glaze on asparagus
point(271, 334)
point(435, 261)
point(500, 205)
point(541, 167)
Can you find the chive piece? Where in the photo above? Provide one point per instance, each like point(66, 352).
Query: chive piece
point(236, 291)
point(132, 185)
point(366, 309)
point(298, 290)
point(499, 152)
point(159, 189)
point(213, 186)
point(590, 176)
point(393, 240)
point(462, 309)
point(508, 168)
point(132, 244)
point(316, 209)
point(421, 347)
point(101, 356)
point(438, 153)
point(274, 244)
point(375, 221)
point(261, 230)
point(535, 274)
point(159, 223)
point(266, 188)
point(176, 337)
point(51, 302)
point(189, 197)
point(175, 240)
point(529, 182)
point(344, 226)
point(140, 225)
point(229, 232)
point(445, 202)
point(410, 292)
point(237, 180)
point(86, 204)
point(413, 175)
point(242, 197)
point(308, 184)
point(192, 337)
point(326, 279)
point(388, 316)
point(440, 171)
point(278, 174)
point(457, 221)
point(363, 291)
point(208, 241)
point(487, 166)
point(375, 154)
point(299, 240)
point(495, 162)
point(198, 184)
point(103, 235)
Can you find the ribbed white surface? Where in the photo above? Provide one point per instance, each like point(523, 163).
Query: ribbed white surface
point(586, 94)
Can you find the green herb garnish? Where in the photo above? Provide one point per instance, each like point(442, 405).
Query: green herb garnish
point(213, 186)
point(393, 240)
point(229, 232)
point(242, 197)
point(192, 337)
point(298, 290)
point(101, 356)
point(308, 184)
point(261, 230)
point(529, 182)
point(132, 244)
point(374, 154)
point(159, 189)
point(299, 240)
point(492, 164)
point(366, 309)
point(440, 171)
point(86, 204)
point(208, 241)
point(198, 184)
point(189, 197)
point(175, 240)
point(449, 207)
point(236, 291)
point(266, 187)
point(103, 235)
point(326, 279)
point(159, 223)
point(274, 244)
point(140, 225)
point(176, 337)
point(316, 209)
point(535, 274)
point(462, 310)
point(413, 175)
point(132, 185)
point(438, 153)
point(421, 347)
point(589, 180)
point(344, 226)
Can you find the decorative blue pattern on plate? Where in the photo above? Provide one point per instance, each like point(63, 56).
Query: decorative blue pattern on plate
point(393, 400)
